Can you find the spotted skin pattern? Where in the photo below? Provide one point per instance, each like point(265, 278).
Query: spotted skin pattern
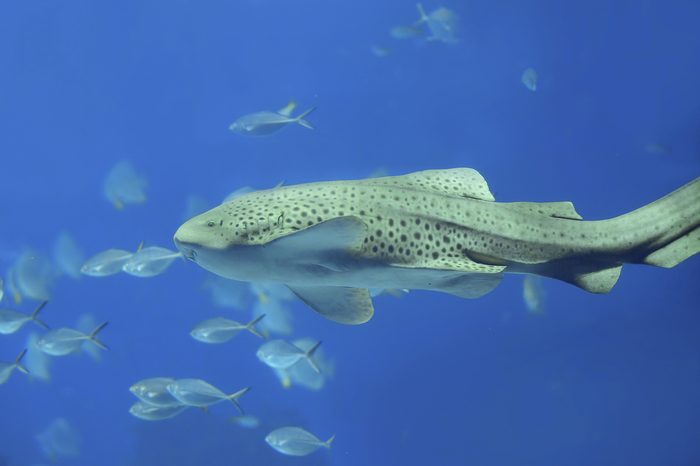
point(448, 220)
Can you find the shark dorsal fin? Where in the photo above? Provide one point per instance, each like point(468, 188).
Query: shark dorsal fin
point(563, 209)
point(288, 109)
point(460, 182)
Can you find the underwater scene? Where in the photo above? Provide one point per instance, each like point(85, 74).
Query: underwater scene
point(305, 232)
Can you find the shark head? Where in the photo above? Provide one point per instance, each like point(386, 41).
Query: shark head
point(225, 240)
point(205, 231)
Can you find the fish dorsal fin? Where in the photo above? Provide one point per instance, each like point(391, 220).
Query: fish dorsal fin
point(338, 234)
point(340, 304)
point(288, 109)
point(460, 182)
point(563, 209)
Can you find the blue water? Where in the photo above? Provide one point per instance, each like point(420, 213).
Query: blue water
point(432, 379)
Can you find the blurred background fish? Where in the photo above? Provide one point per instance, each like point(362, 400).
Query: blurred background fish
point(124, 185)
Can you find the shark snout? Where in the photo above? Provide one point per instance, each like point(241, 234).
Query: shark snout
point(184, 241)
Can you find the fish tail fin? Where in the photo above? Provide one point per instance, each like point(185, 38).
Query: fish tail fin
point(250, 326)
point(327, 443)
point(309, 357)
point(421, 12)
point(93, 336)
point(301, 119)
point(235, 396)
point(35, 315)
point(18, 362)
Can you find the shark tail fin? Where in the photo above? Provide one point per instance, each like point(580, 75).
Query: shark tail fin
point(301, 119)
point(250, 326)
point(93, 336)
point(235, 396)
point(18, 362)
point(35, 315)
point(676, 251)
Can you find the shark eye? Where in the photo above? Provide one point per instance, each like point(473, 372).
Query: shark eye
point(210, 223)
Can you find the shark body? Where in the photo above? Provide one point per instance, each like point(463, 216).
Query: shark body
point(437, 230)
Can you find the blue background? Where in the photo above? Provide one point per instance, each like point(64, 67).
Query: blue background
point(432, 379)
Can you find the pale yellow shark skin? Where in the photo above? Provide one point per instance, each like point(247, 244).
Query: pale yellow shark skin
point(447, 220)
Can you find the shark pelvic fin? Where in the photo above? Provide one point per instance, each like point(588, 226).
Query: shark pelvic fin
point(677, 251)
point(471, 285)
point(598, 281)
point(345, 305)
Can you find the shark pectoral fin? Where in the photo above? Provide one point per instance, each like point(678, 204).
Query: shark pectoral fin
point(471, 285)
point(563, 209)
point(351, 306)
point(338, 234)
point(677, 251)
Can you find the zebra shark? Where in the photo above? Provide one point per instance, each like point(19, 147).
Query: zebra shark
point(439, 230)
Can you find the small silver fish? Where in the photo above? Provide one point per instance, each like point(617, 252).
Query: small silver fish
point(149, 412)
point(227, 293)
point(278, 317)
point(405, 32)
point(295, 441)
point(124, 185)
point(379, 51)
point(106, 263)
point(59, 441)
point(150, 261)
point(529, 79)
point(266, 122)
point(443, 24)
point(658, 148)
point(34, 275)
point(246, 420)
point(197, 392)
point(534, 294)
point(2, 289)
point(221, 330)
point(302, 375)
point(67, 255)
point(11, 321)
point(154, 391)
point(36, 361)
point(280, 354)
point(63, 341)
point(7, 368)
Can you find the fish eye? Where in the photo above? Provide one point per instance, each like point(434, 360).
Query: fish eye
point(210, 223)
